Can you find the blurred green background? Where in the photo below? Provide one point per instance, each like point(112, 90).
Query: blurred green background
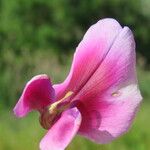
point(40, 36)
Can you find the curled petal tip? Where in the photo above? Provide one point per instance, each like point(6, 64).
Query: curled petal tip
point(37, 94)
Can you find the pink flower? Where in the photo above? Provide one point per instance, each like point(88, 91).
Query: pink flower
point(100, 96)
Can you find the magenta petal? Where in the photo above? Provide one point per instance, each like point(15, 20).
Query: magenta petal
point(37, 94)
point(109, 116)
point(111, 96)
point(62, 132)
point(103, 78)
point(89, 54)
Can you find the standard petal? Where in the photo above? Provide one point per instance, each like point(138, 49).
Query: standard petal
point(89, 55)
point(37, 94)
point(62, 132)
point(111, 96)
point(103, 87)
point(109, 116)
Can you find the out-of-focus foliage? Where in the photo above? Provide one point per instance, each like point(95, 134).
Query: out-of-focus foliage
point(32, 31)
point(60, 24)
